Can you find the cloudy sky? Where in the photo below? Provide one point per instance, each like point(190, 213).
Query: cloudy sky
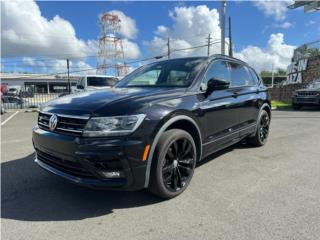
point(39, 36)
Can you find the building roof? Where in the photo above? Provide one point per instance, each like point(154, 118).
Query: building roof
point(35, 77)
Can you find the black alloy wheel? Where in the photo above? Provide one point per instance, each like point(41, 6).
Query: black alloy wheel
point(262, 133)
point(173, 164)
point(264, 127)
point(178, 164)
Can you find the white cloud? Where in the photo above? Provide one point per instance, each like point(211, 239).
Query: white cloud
point(26, 33)
point(284, 25)
point(128, 25)
point(131, 49)
point(310, 23)
point(271, 8)
point(191, 26)
point(277, 52)
point(58, 66)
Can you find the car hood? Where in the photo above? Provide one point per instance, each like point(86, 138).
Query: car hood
point(308, 90)
point(91, 101)
point(92, 88)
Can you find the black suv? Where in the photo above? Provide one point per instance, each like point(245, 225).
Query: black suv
point(151, 129)
point(309, 96)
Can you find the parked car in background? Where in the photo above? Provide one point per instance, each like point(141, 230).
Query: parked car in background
point(13, 102)
point(4, 89)
point(95, 82)
point(13, 91)
point(153, 127)
point(309, 96)
point(27, 93)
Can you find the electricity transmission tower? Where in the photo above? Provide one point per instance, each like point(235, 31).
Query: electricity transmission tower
point(110, 59)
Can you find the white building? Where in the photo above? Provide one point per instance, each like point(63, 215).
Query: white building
point(38, 83)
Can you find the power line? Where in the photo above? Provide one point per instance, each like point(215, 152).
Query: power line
point(70, 56)
point(136, 61)
point(89, 69)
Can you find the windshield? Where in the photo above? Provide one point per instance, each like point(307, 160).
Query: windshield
point(171, 73)
point(314, 85)
point(101, 81)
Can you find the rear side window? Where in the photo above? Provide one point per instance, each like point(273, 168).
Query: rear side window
point(218, 70)
point(239, 75)
point(254, 77)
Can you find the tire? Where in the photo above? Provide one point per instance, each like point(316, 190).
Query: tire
point(174, 159)
point(261, 136)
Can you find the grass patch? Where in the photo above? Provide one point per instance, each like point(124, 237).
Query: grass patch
point(280, 104)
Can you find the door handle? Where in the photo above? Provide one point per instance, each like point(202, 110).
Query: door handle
point(235, 94)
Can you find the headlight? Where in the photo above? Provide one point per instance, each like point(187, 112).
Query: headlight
point(112, 126)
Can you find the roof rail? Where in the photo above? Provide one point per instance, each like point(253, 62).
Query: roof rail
point(226, 57)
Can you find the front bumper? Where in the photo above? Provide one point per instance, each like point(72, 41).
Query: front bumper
point(85, 161)
point(310, 100)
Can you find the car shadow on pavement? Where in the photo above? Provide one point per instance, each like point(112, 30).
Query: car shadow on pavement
point(240, 145)
point(31, 194)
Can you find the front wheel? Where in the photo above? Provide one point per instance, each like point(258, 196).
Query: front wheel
point(173, 164)
point(262, 132)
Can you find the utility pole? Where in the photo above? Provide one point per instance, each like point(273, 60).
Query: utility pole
point(69, 86)
point(230, 39)
point(168, 44)
point(223, 23)
point(209, 43)
point(272, 76)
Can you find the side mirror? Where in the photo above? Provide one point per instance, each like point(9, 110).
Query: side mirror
point(80, 87)
point(217, 84)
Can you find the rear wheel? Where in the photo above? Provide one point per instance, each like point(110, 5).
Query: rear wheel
point(173, 164)
point(262, 132)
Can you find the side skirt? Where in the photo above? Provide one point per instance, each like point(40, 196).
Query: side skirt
point(227, 140)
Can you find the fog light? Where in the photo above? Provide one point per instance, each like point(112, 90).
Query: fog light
point(113, 174)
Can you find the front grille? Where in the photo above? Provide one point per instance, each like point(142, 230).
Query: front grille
point(66, 166)
point(69, 125)
point(309, 93)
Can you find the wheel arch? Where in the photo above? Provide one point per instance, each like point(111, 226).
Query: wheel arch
point(182, 122)
point(267, 108)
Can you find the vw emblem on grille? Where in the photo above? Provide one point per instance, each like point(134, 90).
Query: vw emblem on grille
point(53, 121)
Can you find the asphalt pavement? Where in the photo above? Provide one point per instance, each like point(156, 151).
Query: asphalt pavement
point(272, 192)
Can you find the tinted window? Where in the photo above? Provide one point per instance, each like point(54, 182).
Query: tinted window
point(314, 85)
point(254, 77)
point(218, 70)
point(100, 81)
point(171, 73)
point(239, 75)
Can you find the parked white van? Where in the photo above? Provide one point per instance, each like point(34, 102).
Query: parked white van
point(95, 82)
